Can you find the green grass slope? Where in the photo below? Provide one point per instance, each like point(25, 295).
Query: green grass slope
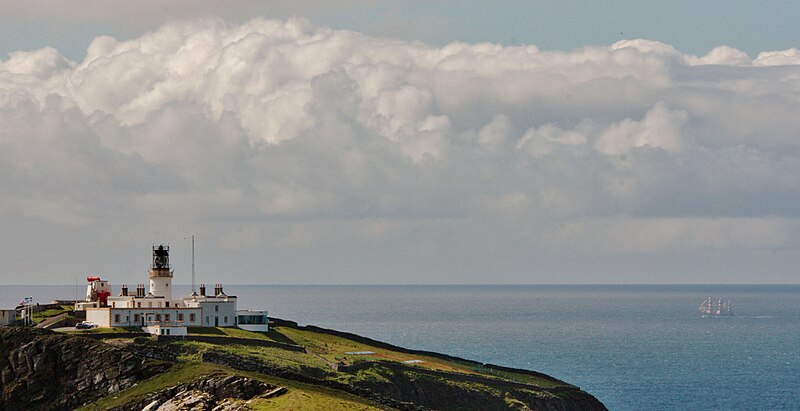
point(343, 371)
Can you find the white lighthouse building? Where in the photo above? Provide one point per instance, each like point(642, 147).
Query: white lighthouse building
point(161, 273)
point(157, 312)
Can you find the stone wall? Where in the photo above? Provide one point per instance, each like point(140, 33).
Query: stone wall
point(212, 339)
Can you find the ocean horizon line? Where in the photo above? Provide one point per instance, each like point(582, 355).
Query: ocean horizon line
point(449, 284)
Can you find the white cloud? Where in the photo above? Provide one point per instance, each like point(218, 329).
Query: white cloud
point(778, 58)
point(660, 128)
point(722, 55)
point(340, 139)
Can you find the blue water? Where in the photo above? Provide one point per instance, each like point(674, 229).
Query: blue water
point(633, 347)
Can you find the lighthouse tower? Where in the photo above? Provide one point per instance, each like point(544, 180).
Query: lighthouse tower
point(160, 273)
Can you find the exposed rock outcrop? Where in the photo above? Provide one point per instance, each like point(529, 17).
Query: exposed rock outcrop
point(43, 370)
point(217, 393)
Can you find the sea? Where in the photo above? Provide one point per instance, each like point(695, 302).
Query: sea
point(634, 347)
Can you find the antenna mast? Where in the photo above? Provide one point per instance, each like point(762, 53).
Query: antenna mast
point(193, 263)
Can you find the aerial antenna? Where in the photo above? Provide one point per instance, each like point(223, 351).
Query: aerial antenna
point(193, 289)
point(192, 263)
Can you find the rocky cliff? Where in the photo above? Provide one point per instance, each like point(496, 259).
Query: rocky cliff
point(43, 370)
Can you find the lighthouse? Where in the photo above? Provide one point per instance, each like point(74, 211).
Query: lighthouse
point(161, 274)
point(157, 313)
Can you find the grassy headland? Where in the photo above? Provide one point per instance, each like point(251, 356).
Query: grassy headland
point(307, 368)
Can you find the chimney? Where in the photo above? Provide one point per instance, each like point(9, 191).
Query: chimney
point(140, 290)
point(220, 289)
point(125, 290)
point(202, 290)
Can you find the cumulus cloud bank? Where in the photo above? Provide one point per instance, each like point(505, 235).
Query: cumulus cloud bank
point(400, 157)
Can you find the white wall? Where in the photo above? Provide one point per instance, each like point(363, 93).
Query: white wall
point(161, 286)
point(127, 317)
point(219, 313)
point(252, 327)
point(99, 317)
point(161, 330)
point(207, 314)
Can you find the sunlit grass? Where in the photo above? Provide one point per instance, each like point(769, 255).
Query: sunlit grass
point(333, 348)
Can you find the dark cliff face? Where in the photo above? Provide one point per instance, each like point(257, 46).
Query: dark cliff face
point(444, 391)
point(43, 370)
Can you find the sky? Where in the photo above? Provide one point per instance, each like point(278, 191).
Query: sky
point(372, 142)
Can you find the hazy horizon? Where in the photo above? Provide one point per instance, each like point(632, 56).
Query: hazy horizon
point(116, 286)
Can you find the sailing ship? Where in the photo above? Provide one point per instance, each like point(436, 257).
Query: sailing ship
point(717, 308)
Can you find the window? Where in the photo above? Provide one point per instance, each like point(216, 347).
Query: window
point(127, 318)
point(158, 317)
point(166, 317)
point(208, 321)
point(216, 308)
point(253, 319)
point(113, 304)
point(191, 317)
point(116, 318)
point(180, 317)
point(225, 319)
point(139, 304)
point(136, 318)
point(167, 304)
